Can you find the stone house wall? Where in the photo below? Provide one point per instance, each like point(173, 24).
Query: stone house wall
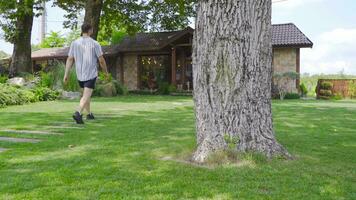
point(285, 60)
point(130, 71)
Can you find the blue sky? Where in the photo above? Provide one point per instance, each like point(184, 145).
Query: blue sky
point(330, 24)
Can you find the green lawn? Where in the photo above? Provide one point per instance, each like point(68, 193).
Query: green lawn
point(120, 155)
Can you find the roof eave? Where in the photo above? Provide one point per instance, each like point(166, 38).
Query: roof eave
point(293, 45)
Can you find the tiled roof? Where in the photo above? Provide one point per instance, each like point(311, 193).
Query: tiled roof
point(51, 53)
point(283, 35)
point(150, 41)
point(289, 35)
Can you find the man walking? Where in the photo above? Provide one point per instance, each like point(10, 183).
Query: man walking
point(85, 52)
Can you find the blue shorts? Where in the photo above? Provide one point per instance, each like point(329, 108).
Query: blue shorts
point(88, 84)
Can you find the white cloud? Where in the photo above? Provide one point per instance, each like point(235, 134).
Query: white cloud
point(333, 51)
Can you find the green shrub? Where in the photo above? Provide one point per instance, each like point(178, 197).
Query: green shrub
point(172, 89)
point(72, 83)
point(47, 79)
point(337, 97)
point(323, 97)
point(327, 93)
point(98, 90)
point(352, 89)
point(103, 79)
point(46, 94)
point(163, 88)
point(11, 95)
point(326, 85)
point(292, 96)
point(3, 78)
point(120, 89)
point(303, 90)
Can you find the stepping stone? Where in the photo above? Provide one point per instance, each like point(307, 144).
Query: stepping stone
point(2, 150)
point(64, 127)
point(30, 132)
point(21, 140)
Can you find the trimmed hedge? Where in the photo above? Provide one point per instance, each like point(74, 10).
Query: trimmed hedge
point(292, 96)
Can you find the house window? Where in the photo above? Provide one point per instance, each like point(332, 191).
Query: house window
point(154, 70)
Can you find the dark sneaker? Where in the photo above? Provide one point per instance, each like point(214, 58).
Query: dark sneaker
point(90, 116)
point(78, 118)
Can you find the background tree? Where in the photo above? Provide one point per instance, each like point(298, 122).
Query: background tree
point(232, 66)
point(93, 9)
point(170, 14)
point(16, 20)
point(130, 15)
point(53, 39)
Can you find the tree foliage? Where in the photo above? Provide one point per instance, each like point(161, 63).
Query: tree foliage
point(11, 11)
point(133, 15)
point(53, 39)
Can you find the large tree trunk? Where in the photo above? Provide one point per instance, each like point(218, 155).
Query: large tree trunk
point(92, 15)
point(232, 66)
point(21, 56)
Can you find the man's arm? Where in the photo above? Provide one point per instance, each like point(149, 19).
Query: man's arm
point(103, 66)
point(69, 64)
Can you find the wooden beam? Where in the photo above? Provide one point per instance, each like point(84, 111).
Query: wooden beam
point(139, 71)
point(174, 66)
point(184, 45)
point(122, 75)
point(298, 68)
point(183, 67)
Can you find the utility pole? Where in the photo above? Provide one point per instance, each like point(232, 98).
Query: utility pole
point(43, 22)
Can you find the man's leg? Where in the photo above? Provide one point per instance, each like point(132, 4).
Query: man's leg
point(85, 100)
point(78, 117)
point(87, 106)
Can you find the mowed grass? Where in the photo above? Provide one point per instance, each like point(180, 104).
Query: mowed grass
point(121, 154)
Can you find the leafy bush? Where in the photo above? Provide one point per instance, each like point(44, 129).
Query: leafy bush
point(303, 90)
point(120, 89)
point(337, 97)
point(352, 89)
point(72, 83)
point(102, 78)
point(325, 90)
point(292, 96)
point(47, 79)
point(326, 93)
point(45, 94)
point(53, 79)
point(3, 78)
point(163, 88)
point(106, 86)
point(326, 85)
point(11, 95)
point(172, 88)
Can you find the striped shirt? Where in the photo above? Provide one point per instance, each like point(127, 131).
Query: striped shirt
point(86, 52)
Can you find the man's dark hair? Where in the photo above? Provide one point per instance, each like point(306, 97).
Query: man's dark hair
point(86, 28)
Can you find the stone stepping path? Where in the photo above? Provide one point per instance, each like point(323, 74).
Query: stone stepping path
point(29, 132)
point(2, 150)
point(20, 140)
point(64, 127)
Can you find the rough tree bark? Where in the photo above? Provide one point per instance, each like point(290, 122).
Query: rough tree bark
point(92, 15)
point(232, 66)
point(21, 56)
